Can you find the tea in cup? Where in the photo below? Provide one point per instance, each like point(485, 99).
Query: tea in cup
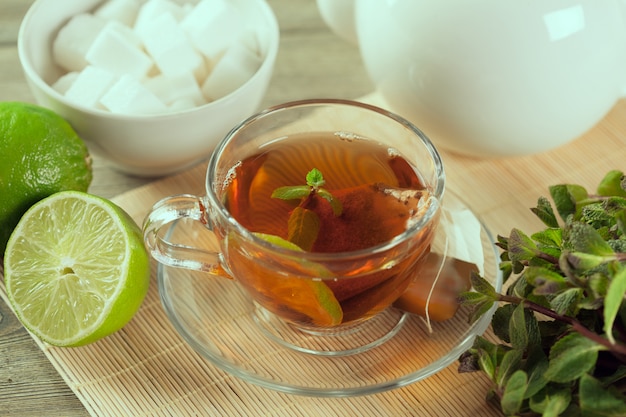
point(324, 210)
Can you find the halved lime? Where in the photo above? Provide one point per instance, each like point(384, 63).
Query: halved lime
point(76, 269)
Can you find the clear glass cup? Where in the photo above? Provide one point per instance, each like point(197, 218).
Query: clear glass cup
point(297, 293)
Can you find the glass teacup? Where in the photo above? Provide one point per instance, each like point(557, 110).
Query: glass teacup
point(324, 212)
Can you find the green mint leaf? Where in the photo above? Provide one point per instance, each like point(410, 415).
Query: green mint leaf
point(523, 328)
point(597, 400)
point(292, 192)
point(303, 228)
point(614, 204)
point(566, 302)
point(536, 365)
point(582, 262)
point(599, 285)
point(582, 237)
point(597, 215)
point(487, 363)
point(314, 178)
point(511, 361)
point(545, 281)
point(484, 299)
point(502, 242)
point(480, 310)
point(521, 288)
point(500, 321)
point(570, 272)
point(613, 184)
point(487, 355)
point(613, 302)
point(506, 267)
point(566, 197)
point(482, 286)
point(469, 361)
point(545, 213)
point(521, 247)
point(551, 237)
point(486, 345)
point(473, 298)
point(304, 224)
point(514, 392)
point(490, 356)
point(518, 267)
point(517, 328)
point(334, 203)
point(551, 401)
point(571, 357)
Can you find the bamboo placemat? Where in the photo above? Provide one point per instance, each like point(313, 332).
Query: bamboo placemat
point(146, 369)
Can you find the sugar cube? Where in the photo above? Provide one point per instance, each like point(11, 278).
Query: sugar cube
point(152, 9)
point(182, 104)
point(212, 26)
point(90, 86)
point(168, 45)
point(145, 56)
point(123, 11)
point(129, 96)
point(250, 40)
point(125, 32)
point(64, 82)
point(74, 40)
point(235, 68)
point(173, 88)
point(111, 51)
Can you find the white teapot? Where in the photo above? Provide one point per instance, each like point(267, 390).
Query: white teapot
point(491, 77)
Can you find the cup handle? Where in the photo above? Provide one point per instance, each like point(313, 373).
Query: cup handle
point(158, 222)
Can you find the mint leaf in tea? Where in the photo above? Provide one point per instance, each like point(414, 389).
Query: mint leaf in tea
point(304, 223)
point(328, 195)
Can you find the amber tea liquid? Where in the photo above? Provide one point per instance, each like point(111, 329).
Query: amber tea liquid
point(380, 192)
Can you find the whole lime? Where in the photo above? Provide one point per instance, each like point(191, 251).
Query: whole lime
point(40, 154)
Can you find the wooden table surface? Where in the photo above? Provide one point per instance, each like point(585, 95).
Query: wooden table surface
point(312, 62)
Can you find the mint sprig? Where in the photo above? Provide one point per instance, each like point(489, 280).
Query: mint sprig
point(314, 182)
point(561, 323)
point(304, 224)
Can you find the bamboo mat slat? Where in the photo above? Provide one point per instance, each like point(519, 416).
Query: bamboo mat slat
point(146, 369)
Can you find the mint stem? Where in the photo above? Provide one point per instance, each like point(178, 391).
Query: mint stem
point(576, 325)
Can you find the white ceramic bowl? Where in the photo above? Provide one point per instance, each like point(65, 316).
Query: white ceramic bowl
point(146, 145)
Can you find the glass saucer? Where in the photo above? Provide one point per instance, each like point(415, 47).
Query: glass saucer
point(218, 320)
